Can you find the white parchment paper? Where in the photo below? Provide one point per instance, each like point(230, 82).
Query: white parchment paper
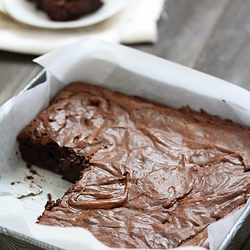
point(118, 68)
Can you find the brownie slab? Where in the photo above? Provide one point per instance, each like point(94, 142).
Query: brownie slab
point(145, 175)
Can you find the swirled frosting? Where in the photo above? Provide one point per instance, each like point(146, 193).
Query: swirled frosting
point(150, 176)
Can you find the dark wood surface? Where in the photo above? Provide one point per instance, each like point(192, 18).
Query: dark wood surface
point(208, 35)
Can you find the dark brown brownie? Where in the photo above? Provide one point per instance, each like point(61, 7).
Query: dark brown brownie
point(150, 176)
point(68, 10)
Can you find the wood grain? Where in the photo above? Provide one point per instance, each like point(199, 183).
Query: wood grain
point(16, 70)
point(186, 30)
point(227, 54)
point(209, 35)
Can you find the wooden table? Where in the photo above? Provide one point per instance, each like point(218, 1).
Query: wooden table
point(208, 35)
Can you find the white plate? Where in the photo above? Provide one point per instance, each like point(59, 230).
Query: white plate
point(26, 12)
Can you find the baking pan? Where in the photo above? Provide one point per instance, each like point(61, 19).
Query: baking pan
point(238, 236)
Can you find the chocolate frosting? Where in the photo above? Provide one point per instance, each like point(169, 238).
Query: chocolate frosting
point(152, 176)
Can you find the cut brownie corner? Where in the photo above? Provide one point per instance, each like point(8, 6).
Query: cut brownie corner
point(61, 160)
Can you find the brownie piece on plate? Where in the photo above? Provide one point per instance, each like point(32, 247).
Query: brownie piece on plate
point(66, 10)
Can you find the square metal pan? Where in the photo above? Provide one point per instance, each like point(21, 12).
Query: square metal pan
point(237, 239)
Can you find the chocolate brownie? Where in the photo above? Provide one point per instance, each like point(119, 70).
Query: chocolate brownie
point(145, 175)
point(67, 10)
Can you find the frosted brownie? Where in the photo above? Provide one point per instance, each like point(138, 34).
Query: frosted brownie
point(58, 10)
point(145, 175)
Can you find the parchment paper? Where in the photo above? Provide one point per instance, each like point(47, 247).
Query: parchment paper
point(119, 68)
